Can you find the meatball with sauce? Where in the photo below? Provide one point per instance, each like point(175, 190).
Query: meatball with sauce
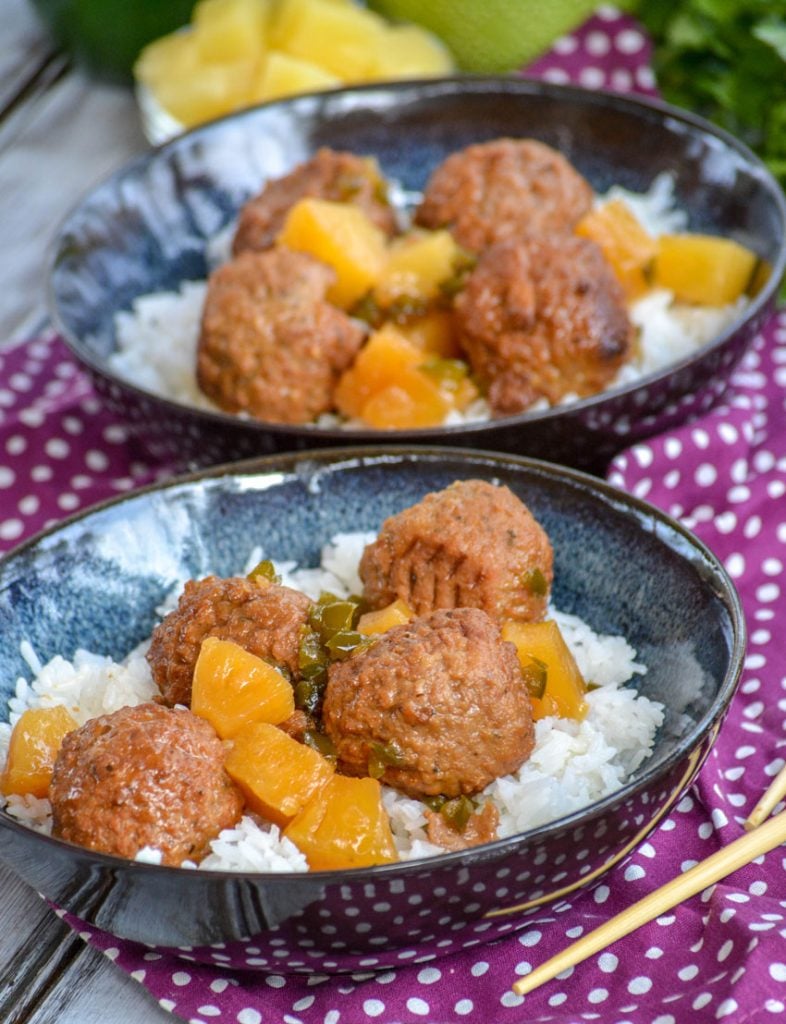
point(507, 188)
point(329, 174)
point(473, 544)
point(270, 344)
point(542, 318)
point(440, 703)
point(143, 776)
point(261, 617)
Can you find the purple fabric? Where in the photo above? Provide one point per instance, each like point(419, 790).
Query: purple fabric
point(719, 956)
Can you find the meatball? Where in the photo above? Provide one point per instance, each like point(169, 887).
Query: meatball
point(143, 776)
point(329, 174)
point(442, 699)
point(263, 618)
point(507, 188)
point(542, 318)
point(474, 545)
point(270, 344)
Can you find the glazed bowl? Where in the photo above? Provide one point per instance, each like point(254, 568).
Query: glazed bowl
point(97, 580)
point(147, 227)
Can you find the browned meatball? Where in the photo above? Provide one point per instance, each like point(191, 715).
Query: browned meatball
point(143, 776)
point(543, 318)
point(507, 188)
point(329, 174)
point(442, 697)
point(472, 545)
point(263, 618)
point(270, 344)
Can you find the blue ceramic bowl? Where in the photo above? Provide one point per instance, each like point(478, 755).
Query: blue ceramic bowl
point(145, 229)
point(95, 582)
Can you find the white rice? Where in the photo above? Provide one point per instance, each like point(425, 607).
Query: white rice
point(573, 763)
point(157, 339)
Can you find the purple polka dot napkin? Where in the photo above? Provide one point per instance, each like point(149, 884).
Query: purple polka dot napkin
point(720, 956)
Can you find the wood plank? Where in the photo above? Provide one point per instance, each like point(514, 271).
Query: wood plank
point(50, 976)
point(73, 135)
point(26, 48)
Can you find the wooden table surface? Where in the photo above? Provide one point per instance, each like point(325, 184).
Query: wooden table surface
point(59, 134)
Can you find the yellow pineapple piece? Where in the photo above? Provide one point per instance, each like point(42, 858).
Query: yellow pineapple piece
point(276, 774)
point(32, 751)
point(625, 243)
point(703, 269)
point(345, 825)
point(338, 37)
point(232, 687)
point(342, 236)
point(282, 75)
point(547, 661)
point(228, 31)
point(171, 57)
point(434, 332)
point(417, 264)
point(396, 613)
point(381, 360)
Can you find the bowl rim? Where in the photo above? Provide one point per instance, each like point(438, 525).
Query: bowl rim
point(514, 86)
point(649, 516)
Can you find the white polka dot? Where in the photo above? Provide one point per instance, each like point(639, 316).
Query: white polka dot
point(429, 975)
point(418, 1006)
point(629, 40)
point(57, 448)
point(735, 564)
point(209, 1011)
point(638, 986)
point(565, 44)
point(479, 969)
point(180, 978)
point(706, 474)
point(464, 1006)
point(249, 1016)
point(608, 962)
point(7, 477)
point(373, 1007)
point(778, 971)
point(556, 75)
point(592, 77)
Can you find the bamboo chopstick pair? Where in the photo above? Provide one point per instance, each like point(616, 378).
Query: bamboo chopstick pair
point(761, 837)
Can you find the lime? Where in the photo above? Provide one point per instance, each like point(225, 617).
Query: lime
point(490, 36)
point(107, 35)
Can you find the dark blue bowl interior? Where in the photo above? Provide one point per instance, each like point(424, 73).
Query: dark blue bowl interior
point(146, 227)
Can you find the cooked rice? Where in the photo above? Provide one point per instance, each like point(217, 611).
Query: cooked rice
point(669, 331)
point(572, 765)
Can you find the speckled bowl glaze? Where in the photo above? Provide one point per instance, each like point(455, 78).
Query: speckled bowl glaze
point(96, 581)
point(146, 227)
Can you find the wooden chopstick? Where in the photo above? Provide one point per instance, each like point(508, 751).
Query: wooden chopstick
point(742, 851)
point(775, 792)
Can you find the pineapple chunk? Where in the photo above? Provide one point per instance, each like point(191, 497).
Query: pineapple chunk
point(283, 75)
point(381, 359)
point(434, 332)
point(627, 246)
point(344, 826)
point(338, 37)
point(342, 236)
point(170, 57)
point(232, 687)
point(35, 742)
point(703, 269)
point(276, 774)
point(228, 31)
point(409, 51)
point(416, 266)
point(209, 91)
point(540, 645)
point(396, 613)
